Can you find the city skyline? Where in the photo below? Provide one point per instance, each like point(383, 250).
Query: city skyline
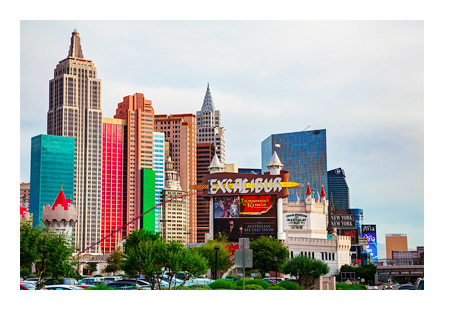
point(361, 81)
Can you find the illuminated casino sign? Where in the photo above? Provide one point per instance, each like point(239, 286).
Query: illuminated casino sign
point(245, 205)
point(238, 184)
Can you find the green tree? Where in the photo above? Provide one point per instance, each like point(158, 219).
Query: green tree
point(53, 257)
point(306, 269)
point(138, 236)
point(269, 254)
point(114, 261)
point(193, 264)
point(90, 268)
point(209, 253)
point(28, 244)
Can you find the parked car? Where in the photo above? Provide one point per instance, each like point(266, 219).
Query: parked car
point(62, 287)
point(129, 284)
point(407, 287)
point(91, 281)
point(111, 278)
point(200, 281)
point(84, 286)
point(273, 280)
point(31, 280)
point(27, 286)
point(419, 284)
point(64, 280)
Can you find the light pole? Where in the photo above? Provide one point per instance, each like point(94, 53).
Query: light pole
point(276, 268)
point(78, 261)
point(216, 247)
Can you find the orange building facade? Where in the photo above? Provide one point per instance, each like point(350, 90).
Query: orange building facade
point(395, 242)
point(180, 135)
point(139, 116)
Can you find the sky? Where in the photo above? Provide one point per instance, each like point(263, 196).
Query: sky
point(362, 81)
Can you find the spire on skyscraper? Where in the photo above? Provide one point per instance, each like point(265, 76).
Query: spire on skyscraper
point(75, 46)
point(208, 104)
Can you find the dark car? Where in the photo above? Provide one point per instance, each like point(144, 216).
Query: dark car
point(407, 287)
point(419, 285)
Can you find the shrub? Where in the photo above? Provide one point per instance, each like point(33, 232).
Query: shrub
point(276, 287)
point(222, 285)
point(343, 286)
point(250, 287)
point(99, 287)
point(198, 287)
point(289, 285)
point(261, 283)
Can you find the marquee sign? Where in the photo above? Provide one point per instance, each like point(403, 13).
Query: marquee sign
point(342, 221)
point(239, 184)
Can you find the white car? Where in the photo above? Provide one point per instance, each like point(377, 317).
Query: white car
point(62, 287)
point(199, 281)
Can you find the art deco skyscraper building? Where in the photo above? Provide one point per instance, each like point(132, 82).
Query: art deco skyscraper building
point(75, 111)
point(208, 126)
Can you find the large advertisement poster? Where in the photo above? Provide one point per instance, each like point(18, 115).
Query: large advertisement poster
point(370, 232)
point(245, 216)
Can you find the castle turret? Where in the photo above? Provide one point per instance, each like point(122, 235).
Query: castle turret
point(274, 165)
point(215, 165)
point(61, 217)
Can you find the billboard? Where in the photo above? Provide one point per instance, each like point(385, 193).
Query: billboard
point(342, 221)
point(353, 233)
point(245, 216)
point(370, 232)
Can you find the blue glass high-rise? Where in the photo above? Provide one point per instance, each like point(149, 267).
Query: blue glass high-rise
point(303, 154)
point(51, 164)
point(339, 193)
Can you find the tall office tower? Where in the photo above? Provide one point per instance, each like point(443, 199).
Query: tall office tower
point(51, 164)
point(113, 181)
point(205, 153)
point(303, 155)
point(75, 111)
point(395, 242)
point(138, 113)
point(208, 126)
point(339, 194)
point(159, 168)
point(175, 211)
point(180, 133)
point(24, 194)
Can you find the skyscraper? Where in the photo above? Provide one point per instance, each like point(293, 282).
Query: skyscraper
point(51, 164)
point(208, 126)
point(138, 113)
point(303, 155)
point(75, 111)
point(339, 194)
point(205, 153)
point(395, 242)
point(174, 212)
point(113, 181)
point(159, 168)
point(180, 135)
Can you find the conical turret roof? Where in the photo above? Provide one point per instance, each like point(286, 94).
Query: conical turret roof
point(61, 200)
point(274, 161)
point(323, 193)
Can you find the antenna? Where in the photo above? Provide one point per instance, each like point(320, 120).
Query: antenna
point(306, 128)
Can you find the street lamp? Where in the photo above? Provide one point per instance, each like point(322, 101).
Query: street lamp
point(78, 261)
point(216, 247)
point(276, 265)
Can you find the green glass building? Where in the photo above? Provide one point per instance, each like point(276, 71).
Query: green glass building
point(148, 199)
point(51, 164)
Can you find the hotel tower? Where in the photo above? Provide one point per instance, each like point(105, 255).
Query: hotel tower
point(75, 111)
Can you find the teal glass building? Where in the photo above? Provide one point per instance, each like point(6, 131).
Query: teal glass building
point(303, 154)
point(51, 164)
